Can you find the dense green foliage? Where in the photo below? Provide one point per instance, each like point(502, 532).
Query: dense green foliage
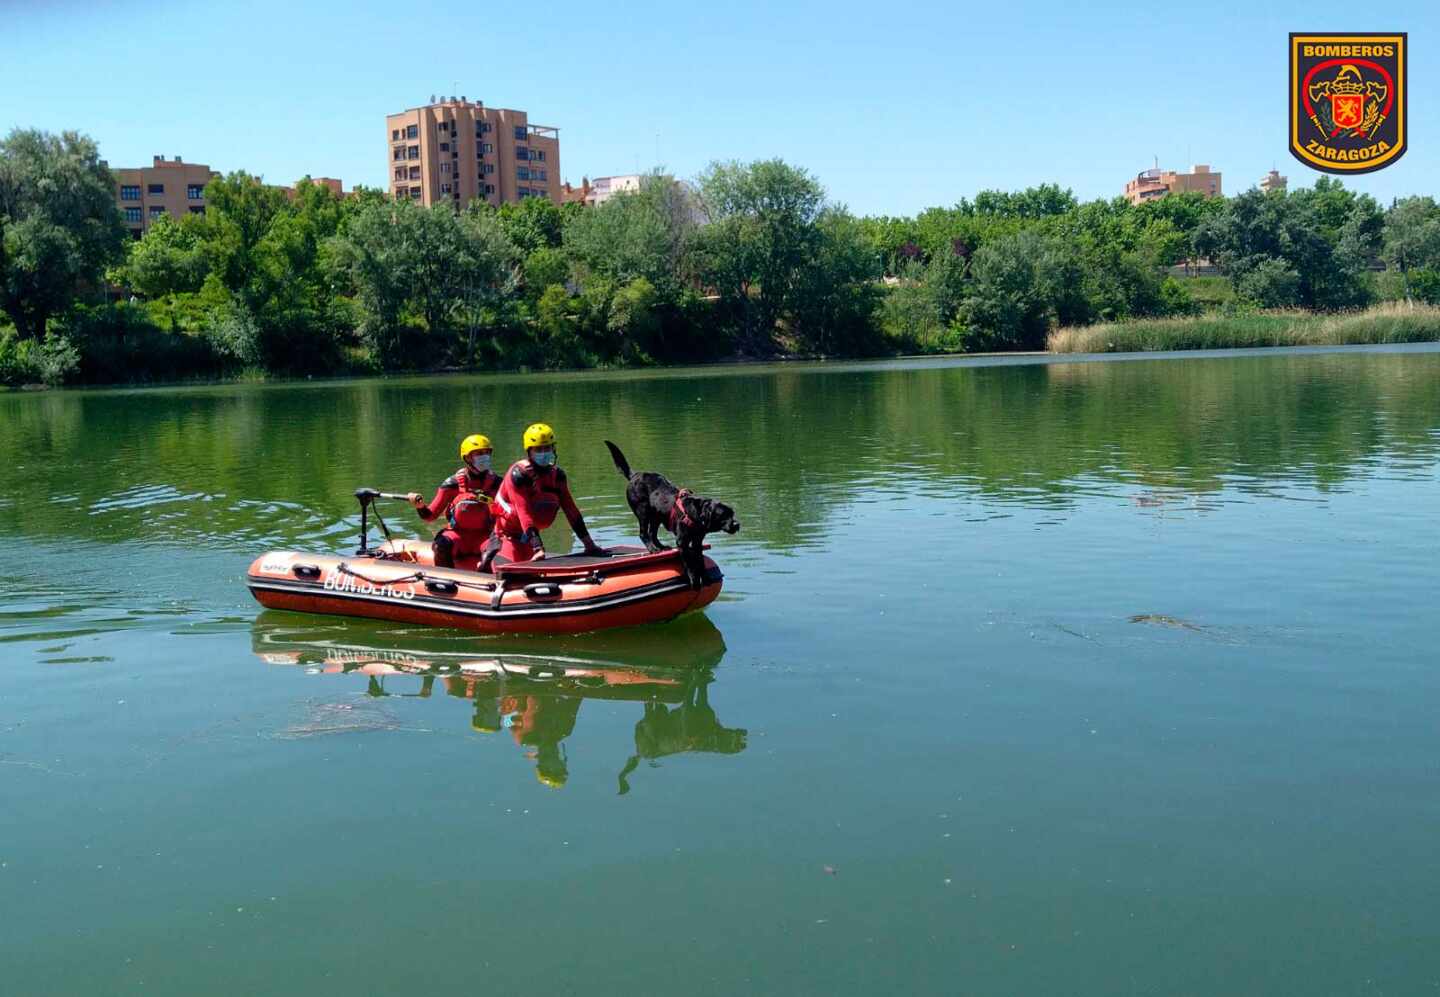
point(59, 226)
point(750, 260)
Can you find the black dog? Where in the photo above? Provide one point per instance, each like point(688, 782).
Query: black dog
point(656, 502)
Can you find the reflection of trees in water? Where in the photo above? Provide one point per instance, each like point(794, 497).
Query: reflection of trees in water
point(532, 690)
point(276, 465)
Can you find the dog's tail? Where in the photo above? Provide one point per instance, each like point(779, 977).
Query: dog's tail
point(621, 464)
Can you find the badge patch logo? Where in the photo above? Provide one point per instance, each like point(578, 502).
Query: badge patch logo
point(1347, 100)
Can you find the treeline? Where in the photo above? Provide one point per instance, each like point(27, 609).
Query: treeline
point(750, 260)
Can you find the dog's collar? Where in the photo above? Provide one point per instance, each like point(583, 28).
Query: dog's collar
point(679, 515)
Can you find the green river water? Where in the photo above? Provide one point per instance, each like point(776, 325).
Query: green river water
point(1100, 677)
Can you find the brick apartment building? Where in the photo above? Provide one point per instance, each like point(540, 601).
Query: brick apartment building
point(457, 150)
point(1150, 184)
point(167, 186)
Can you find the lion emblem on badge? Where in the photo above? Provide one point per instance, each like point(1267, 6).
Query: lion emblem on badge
point(1355, 106)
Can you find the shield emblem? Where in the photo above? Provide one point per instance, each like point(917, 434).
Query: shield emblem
point(1347, 110)
point(1348, 97)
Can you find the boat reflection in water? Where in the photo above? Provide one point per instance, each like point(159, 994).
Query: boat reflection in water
point(531, 689)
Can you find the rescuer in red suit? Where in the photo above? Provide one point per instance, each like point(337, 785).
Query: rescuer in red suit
point(464, 499)
point(532, 493)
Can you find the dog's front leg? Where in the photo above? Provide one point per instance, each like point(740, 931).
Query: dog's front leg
point(648, 527)
point(655, 542)
point(694, 560)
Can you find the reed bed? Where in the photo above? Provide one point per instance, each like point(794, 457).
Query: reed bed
point(1393, 322)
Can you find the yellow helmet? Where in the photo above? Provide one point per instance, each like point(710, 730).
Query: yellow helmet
point(539, 435)
point(555, 780)
point(470, 444)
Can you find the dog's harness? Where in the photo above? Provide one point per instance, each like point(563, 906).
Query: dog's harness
point(679, 516)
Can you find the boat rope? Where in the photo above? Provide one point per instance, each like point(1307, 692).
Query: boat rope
point(415, 576)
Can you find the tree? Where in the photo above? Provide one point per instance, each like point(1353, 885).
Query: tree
point(1021, 283)
point(1270, 283)
point(1325, 236)
point(764, 215)
point(1412, 236)
point(238, 215)
point(399, 258)
point(634, 234)
point(371, 259)
point(534, 223)
point(168, 259)
point(837, 293)
point(59, 227)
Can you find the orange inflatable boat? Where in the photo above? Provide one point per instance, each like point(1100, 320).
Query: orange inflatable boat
point(397, 580)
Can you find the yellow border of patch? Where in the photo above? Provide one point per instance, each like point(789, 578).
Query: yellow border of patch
point(1402, 99)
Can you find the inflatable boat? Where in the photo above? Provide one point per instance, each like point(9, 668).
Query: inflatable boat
point(397, 580)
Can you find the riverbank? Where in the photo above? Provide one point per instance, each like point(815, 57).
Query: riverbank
point(1393, 322)
point(1388, 324)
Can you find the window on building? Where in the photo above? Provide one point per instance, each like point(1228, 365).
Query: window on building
point(445, 167)
point(194, 191)
point(414, 152)
point(479, 149)
point(522, 153)
point(414, 173)
point(444, 126)
point(489, 167)
point(414, 193)
point(488, 148)
point(540, 175)
point(402, 191)
point(197, 209)
point(540, 155)
point(156, 210)
point(489, 188)
point(523, 172)
point(399, 152)
point(130, 192)
point(137, 234)
point(394, 135)
point(412, 131)
point(444, 146)
point(519, 133)
point(132, 215)
point(481, 127)
point(444, 188)
point(157, 188)
point(399, 173)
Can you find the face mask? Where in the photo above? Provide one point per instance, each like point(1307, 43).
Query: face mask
point(543, 459)
point(480, 462)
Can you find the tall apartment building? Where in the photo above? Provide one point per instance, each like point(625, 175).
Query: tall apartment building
point(1154, 183)
point(1273, 181)
point(167, 186)
point(456, 151)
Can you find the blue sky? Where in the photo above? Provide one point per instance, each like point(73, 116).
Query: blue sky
point(895, 107)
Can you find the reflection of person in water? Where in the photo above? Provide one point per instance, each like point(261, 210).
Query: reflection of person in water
point(536, 722)
point(541, 723)
point(689, 726)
